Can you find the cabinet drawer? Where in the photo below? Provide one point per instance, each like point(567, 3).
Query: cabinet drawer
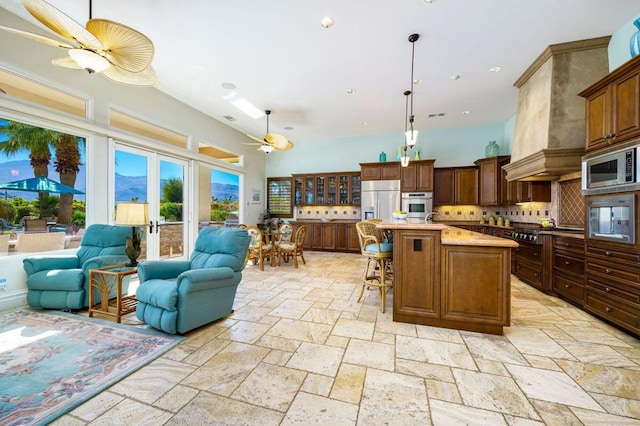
point(605, 268)
point(570, 244)
point(614, 255)
point(569, 288)
point(618, 313)
point(529, 274)
point(614, 291)
point(532, 254)
point(568, 263)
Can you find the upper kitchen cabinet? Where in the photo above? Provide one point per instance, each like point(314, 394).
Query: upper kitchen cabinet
point(492, 183)
point(612, 107)
point(380, 171)
point(327, 189)
point(455, 185)
point(417, 176)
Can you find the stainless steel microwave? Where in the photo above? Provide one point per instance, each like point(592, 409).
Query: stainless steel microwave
point(614, 171)
point(612, 218)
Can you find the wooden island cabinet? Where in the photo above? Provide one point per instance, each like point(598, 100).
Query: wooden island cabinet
point(336, 235)
point(450, 277)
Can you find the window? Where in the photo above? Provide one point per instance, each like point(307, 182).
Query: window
point(279, 196)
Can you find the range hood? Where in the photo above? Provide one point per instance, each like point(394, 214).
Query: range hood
point(549, 135)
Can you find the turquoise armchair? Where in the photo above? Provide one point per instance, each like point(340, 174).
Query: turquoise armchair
point(178, 296)
point(61, 282)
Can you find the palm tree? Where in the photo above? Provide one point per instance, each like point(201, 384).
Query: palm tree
point(24, 137)
point(67, 165)
point(38, 142)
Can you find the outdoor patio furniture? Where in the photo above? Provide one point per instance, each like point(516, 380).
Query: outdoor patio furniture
point(40, 242)
point(178, 296)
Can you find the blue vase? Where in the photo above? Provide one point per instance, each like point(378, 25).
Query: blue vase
point(634, 43)
point(382, 157)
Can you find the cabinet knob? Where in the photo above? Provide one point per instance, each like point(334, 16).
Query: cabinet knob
point(535, 274)
point(607, 253)
point(535, 254)
point(608, 309)
point(567, 286)
point(607, 271)
point(566, 262)
point(566, 244)
point(607, 289)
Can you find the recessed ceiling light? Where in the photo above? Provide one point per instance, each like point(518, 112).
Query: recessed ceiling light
point(288, 128)
point(429, 1)
point(455, 77)
point(364, 123)
point(467, 112)
point(228, 86)
point(351, 91)
point(327, 21)
point(495, 69)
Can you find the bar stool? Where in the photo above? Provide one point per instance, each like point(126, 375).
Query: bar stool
point(378, 272)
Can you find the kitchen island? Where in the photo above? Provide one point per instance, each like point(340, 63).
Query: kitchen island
point(450, 277)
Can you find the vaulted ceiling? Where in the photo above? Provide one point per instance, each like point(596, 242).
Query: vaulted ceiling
point(277, 56)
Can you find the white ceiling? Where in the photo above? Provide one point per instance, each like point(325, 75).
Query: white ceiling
point(280, 58)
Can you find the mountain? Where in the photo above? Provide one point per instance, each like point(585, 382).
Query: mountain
point(224, 190)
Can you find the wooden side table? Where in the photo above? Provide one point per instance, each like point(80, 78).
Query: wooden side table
point(103, 280)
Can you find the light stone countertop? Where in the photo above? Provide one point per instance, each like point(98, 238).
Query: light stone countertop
point(450, 235)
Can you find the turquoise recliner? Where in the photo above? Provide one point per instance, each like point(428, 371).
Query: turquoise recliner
point(178, 296)
point(61, 282)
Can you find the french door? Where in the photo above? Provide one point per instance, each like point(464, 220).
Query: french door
point(161, 181)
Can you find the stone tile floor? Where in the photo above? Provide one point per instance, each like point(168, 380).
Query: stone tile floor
point(299, 349)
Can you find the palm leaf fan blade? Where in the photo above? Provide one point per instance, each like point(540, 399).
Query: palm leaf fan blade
point(39, 38)
point(124, 47)
point(61, 24)
point(275, 140)
point(146, 77)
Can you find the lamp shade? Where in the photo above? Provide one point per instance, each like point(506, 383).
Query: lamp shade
point(132, 214)
point(412, 137)
point(88, 60)
point(404, 160)
point(266, 148)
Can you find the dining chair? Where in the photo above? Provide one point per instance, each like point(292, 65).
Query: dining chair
point(378, 272)
point(40, 242)
point(293, 248)
point(285, 232)
point(258, 249)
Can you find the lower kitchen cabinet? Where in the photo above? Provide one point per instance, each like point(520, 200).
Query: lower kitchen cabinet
point(568, 269)
point(530, 263)
point(327, 236)
point(613, 284)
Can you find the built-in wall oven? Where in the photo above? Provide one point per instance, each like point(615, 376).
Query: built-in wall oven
point(417, 204)
point(612, 217)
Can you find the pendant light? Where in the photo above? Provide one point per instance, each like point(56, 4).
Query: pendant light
point(411, 136)
point(404, 159)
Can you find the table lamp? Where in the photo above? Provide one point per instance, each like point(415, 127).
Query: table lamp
point(129, 213)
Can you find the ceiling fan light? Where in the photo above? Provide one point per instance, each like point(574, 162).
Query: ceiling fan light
point(266, 148)
point(411, 137)
point(89, 60)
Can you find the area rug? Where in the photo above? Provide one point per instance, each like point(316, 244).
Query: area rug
point(51, 362)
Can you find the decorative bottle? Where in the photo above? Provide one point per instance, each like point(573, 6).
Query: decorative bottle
point(492, 150)
point(634, 42)
point(382, 157)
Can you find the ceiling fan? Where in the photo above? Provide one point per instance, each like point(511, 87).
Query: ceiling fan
point(271, 141)
point(118, 52)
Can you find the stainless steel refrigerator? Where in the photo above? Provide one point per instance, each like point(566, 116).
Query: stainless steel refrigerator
point(379, 199)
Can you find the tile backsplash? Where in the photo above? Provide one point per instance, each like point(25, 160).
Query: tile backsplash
point(527, 213)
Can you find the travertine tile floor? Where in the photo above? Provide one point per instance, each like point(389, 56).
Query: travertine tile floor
point(299, 349)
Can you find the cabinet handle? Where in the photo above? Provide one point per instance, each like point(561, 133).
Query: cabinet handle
point(566, 262)
point(567, 286)
point(608, 309)
point(535, 254)
point(607, 253)
point(535, 274)
point(566, 244)
point(607, 271)
point(607, 289)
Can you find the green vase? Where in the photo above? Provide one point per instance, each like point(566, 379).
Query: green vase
point(492, 150)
